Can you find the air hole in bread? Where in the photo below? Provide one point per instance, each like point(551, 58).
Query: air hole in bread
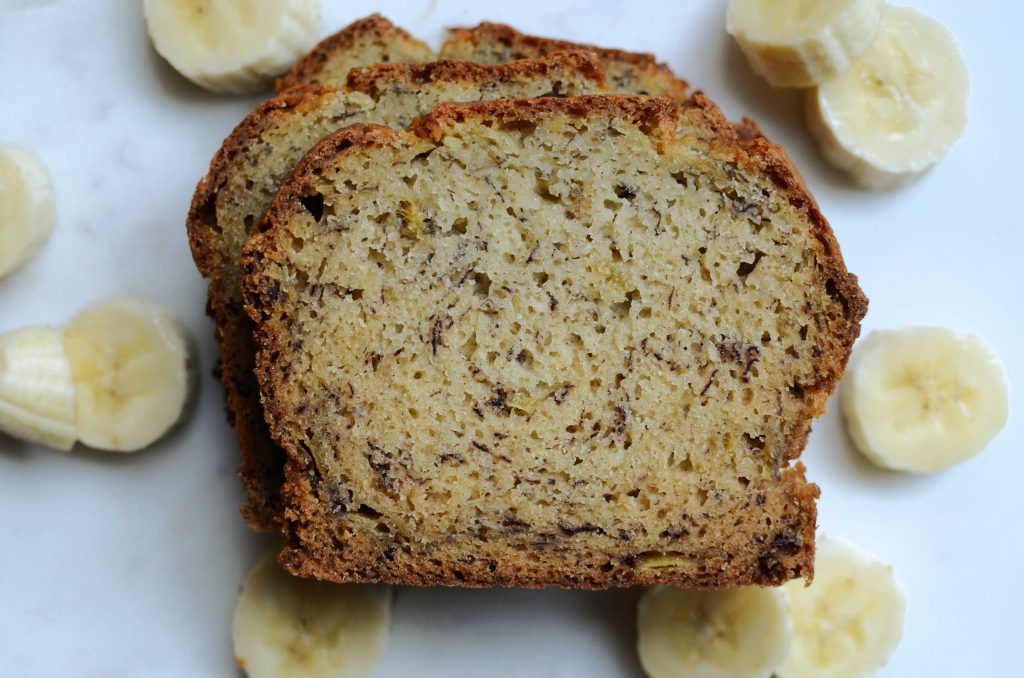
point(314, 204)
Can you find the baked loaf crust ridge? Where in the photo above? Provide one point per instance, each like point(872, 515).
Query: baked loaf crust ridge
point(636, 72)
point(488, 43)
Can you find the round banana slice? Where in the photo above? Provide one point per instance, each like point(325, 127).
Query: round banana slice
point(848, 622)
point(897, 111)
point(739, 633)
point(921, 399)
point(287, 626)
point(800, 43)
point(133, 372)
point(37, 394)
point(232, 46)
point(26, 207)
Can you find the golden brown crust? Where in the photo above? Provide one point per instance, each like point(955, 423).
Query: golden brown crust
point(320, 547)
point(372, 79)
point(324, 550)
point(747, 130)
point(489, 32)
point(516, 45)
point(373, 28)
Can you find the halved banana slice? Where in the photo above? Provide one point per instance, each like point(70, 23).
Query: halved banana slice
point(26, 207)
point(233, 46)
point(287, 626)
point(921, 399)
point(848, 622)
point(800, 43)
point(37, 394)
point(897, 111)
point(133, 371)
point(739, 633)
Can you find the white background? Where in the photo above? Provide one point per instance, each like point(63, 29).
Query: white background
point(130, 565)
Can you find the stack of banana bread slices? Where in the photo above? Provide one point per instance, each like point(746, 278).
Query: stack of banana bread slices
point(528, 314)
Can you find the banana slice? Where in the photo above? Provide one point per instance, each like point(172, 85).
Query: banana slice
point(800, 43)
point(739, 633)
point(37, 394)
point(232, 46)
point(26, 207)
point(132, 366)
point(897, 111)
point(921, 399)
point(848, 622)
point(287, 626)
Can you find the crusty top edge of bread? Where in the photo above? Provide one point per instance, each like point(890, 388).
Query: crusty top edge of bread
point(657, 116)
point(514, 40)
point(374, 28)
point(201, 220)
point(371, 79)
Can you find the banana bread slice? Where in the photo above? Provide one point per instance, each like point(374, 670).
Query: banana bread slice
point(255, 159)
point(568, 342)
point(487, 43)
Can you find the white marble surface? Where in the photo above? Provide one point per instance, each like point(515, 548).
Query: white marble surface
point(124, 566)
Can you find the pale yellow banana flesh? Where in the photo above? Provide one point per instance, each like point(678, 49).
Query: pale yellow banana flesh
point(921, 399)
point(26, 207)
point(133, 372)
point(232, 46)
point(37, 395)
point(301, 628)
point(898, 109)
point(849, 621)
point(800, 43)
point(739, 633)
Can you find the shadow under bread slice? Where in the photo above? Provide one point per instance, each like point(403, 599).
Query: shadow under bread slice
point(246, 172)
point(571, 342)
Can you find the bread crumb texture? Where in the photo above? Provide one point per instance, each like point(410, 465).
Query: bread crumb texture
point(565, 342)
